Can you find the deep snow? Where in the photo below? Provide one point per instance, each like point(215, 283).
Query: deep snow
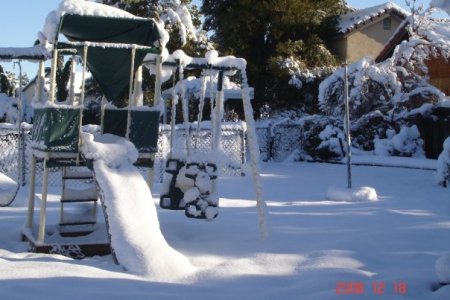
point(314, 245)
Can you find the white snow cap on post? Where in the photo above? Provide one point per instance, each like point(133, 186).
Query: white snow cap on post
point(442, 4)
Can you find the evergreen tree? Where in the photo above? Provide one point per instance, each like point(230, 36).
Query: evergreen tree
point(6, 87)
point(266, 32)
point(181, 19)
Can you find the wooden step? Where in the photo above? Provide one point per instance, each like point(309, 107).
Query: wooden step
point(76, 195)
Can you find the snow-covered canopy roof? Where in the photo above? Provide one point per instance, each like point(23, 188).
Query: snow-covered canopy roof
point(352, 20)
point(35, 53)
point(111, 34)
point(89, 9)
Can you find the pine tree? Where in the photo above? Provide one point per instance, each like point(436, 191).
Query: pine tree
point(265, 32)
point(181, 19)
point(6, 87)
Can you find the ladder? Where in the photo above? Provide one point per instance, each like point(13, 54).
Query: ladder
point(81, 218)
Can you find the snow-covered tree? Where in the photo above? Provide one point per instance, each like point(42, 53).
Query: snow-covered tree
point(398, 85)
point(181, 18)
point(278, 39)
point(6, 86)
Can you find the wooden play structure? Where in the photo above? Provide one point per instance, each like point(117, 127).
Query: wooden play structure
point(114, 49)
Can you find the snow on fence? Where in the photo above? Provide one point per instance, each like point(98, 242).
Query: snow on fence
point(233, 146)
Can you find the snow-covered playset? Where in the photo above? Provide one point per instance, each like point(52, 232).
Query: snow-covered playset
point(114, 45)
point(324, 241)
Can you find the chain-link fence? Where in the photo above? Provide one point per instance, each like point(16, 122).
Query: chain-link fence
point(13, 142)
point(9, 145)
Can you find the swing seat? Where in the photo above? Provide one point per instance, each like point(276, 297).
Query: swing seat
point(172, 198)
point(203, 206)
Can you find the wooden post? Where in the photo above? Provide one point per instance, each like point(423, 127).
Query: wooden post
point(31, 193)
point(43, 211)
point(130, 91)
point(83, 77)
point(72, 82)
point(53, 76)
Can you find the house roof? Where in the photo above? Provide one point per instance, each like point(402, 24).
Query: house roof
point(355, 19)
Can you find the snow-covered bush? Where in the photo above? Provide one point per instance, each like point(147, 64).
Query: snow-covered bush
point(396, 86)
point(405, 143)
point(369, 127)
point(332, 145)
point(321, 137)
point(443, 164)
point(371, 87)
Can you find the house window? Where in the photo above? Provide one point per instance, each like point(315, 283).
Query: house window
point(387, 23)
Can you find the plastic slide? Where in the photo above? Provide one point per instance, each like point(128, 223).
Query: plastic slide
point(132, 221)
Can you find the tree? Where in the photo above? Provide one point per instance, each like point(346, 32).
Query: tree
point(266, 32)
point(181, 18)
point(6, 87)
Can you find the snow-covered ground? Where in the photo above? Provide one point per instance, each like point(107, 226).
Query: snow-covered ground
point(316, 249)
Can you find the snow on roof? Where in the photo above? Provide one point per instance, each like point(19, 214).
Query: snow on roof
point(352, 20)
point(28, 53)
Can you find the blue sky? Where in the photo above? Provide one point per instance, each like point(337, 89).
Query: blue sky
point(22, 19)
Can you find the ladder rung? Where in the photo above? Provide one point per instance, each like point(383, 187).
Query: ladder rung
point(78, 223)
point(78, 200)
point(72, 174)
point(75, 195)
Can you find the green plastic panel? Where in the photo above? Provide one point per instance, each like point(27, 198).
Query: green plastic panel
point(56, 129)
point(144, 130)
point(144, 127)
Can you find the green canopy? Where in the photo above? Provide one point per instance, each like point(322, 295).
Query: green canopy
point(111, 66)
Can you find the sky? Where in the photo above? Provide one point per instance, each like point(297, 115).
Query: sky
point(25, 18)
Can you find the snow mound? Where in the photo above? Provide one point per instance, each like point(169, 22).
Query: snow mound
point(442, 268)
point(112, 149)
point(7, 189)
point(364, 193)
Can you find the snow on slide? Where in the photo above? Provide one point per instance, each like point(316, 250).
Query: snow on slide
point(8, 190)
point(132, 220)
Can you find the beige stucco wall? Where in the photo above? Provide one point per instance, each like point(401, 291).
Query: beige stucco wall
point(368, 40)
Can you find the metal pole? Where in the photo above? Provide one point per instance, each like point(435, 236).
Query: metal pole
point(347, 129)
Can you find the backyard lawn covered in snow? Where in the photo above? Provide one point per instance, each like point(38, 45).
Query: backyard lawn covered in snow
point(316, 248)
